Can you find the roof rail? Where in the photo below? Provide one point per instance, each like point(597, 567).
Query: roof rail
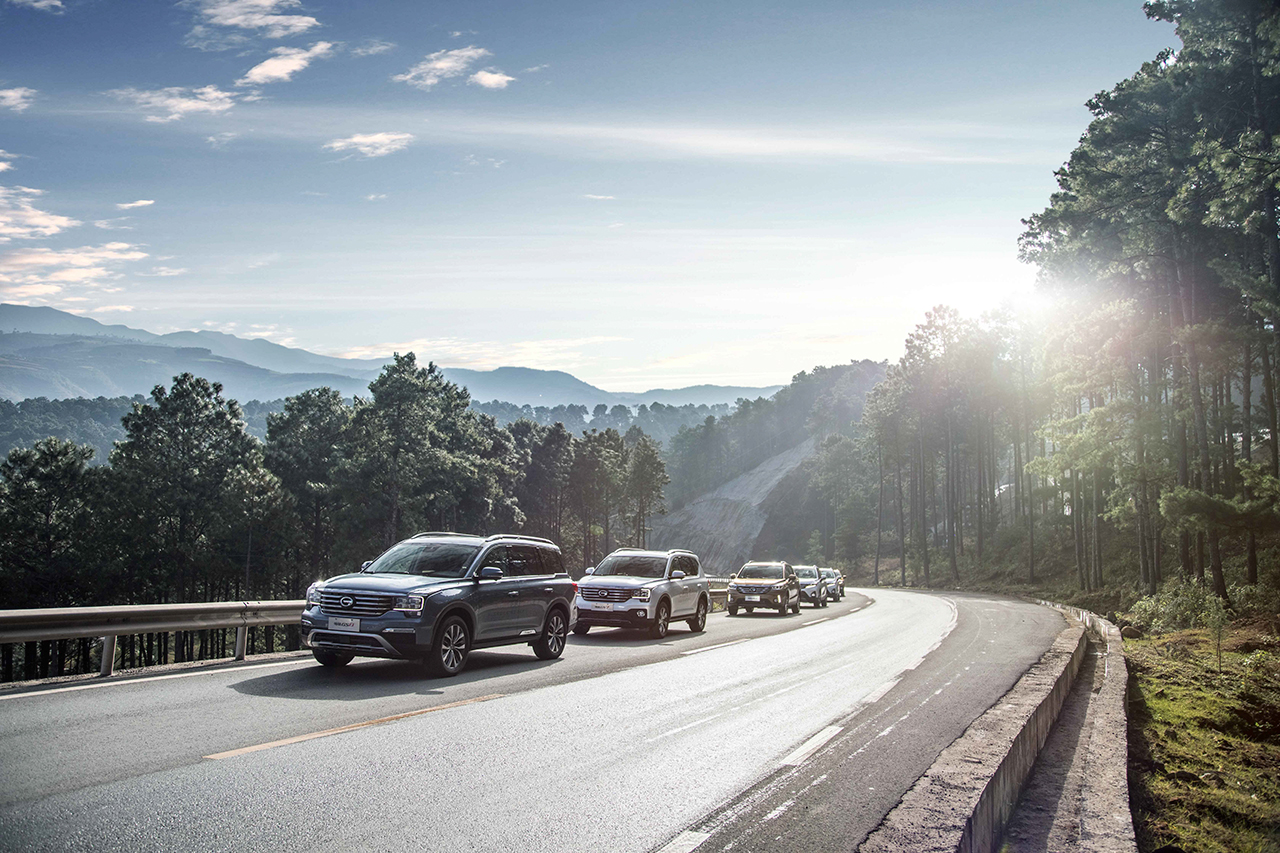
point(442, 533)
point(521, 537)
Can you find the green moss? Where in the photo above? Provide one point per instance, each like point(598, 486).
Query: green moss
point(1204, 746)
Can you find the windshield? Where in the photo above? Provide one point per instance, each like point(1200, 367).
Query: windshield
point(632, 565)
point(806, 573)
point(828, 573)
point(428, 559)
point(773, 573)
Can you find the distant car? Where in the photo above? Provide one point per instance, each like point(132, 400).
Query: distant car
point(759, 584)
point(436, 596)
point(835, 583)
point(633, 588)
point(813, 589)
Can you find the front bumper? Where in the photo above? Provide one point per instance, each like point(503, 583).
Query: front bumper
point(811, 596)
point(392, 635)
point(621, 614)
point(772, 598)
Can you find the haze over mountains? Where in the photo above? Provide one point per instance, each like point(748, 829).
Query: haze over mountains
point(45, 352)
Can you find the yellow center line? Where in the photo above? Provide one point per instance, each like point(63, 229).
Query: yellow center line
point(232, 753)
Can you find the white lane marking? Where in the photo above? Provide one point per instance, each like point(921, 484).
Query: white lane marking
point(149, 678)
point(232, 753)
point(880, 692)
point(815, 621)
point(811, 746)
point(685, 842)
point(776, 813)
point(684, 727)
point(716, 646)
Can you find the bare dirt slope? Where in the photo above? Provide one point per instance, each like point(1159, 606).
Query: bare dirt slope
point(722, 526)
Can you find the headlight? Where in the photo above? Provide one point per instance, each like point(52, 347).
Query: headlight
point(641, 594)
point(313, 595)
point(409, 603)
point(733, 587)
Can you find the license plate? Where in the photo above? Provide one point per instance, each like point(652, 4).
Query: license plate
point(601, 605)
point(342, 623)
point(753, 598)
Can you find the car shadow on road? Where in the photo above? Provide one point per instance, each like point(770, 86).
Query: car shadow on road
point(632, 637)
point(372, 678)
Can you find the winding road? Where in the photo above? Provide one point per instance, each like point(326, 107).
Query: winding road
point(762, 733)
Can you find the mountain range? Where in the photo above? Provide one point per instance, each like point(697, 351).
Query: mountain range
point(45, 352)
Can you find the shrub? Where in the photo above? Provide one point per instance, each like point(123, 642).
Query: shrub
point(1179, 604)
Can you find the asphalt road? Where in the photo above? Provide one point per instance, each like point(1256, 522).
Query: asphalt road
point(623, 745)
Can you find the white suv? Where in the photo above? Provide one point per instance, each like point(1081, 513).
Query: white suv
point(632, 588)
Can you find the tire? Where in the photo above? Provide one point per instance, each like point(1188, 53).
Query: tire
point(581, 629)
point(448, 653)
point(795, 608)
point(326, 657)
point(733, 610)
point(662, 621)
point(782, 608)
point(551, 644)
point(698, 623)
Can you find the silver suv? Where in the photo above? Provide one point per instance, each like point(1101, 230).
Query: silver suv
point(632, 588)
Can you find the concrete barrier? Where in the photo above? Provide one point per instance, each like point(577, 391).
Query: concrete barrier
point(963, 801)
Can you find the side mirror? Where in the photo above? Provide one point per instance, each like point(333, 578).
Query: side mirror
point(591, 570)
point(366, 564)
point(490, 573)
point(677, 575)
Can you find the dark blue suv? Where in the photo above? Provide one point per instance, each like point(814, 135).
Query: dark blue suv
point(436, 596)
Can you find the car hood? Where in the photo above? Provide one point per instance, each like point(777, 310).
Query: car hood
point(618, 581)
point(757, 582)
point(390, 583)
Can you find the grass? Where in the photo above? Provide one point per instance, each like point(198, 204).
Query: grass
point(1204, 745)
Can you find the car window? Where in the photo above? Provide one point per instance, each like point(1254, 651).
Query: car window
point(496, 558)
point(523, 560)
point(761, 572)
point(552, 562)
point(632, 565)
point(429, 559)
point(807, 574)
point(689, 565)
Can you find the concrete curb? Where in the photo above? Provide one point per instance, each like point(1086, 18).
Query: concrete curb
point(963, 801)
point(1106, 823)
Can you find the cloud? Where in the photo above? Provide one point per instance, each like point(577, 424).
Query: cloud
point(17, 99)
point(105, 309)
point(264, 16)
point(442, 65)
point(178, 101)
point(372, 144)
point(599, 197)
point(491, 78)
point(113, 224)
point(142, 202)
point(221, 140)
point(536, 68)
point(372, 47)
point(37, 272)
point(54, 6)
point(375, 197)
point(5, 157)
point(21, 219)
point(473, 160)
point(286, 62)
point(164, 272)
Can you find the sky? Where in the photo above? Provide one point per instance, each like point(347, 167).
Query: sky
point(651, 193)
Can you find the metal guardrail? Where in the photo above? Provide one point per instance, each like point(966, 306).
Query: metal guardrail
point(67, 623)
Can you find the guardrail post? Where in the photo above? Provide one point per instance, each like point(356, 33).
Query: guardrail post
point(108, 655)
point(242, 641)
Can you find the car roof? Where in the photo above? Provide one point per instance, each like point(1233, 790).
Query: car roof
point(476, 539)
point(648, 552)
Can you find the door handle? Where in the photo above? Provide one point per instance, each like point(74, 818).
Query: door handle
point(513, 595)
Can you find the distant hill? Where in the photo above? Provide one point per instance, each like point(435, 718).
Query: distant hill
point(45, 352)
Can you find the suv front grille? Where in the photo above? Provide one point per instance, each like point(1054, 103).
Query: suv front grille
point(362, 604)
point(754, 590)
point(596, 593)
